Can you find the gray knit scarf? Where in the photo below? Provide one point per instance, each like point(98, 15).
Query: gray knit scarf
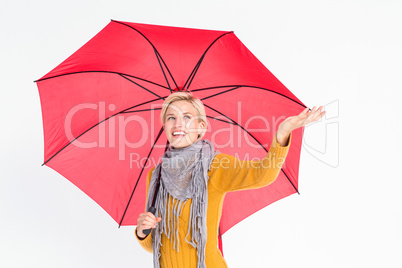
point(184, 176)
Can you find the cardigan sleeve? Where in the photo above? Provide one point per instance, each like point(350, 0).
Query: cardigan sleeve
point(232, 174)
point(146, 242)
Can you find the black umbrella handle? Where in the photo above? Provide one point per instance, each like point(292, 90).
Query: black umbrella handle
point(148, 231)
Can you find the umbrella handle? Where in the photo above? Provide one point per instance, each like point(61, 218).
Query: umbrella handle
point(148, 231)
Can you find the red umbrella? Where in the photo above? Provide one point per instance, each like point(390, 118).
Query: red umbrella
point(101, 108)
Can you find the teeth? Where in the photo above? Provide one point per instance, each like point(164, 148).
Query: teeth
point(178, 133)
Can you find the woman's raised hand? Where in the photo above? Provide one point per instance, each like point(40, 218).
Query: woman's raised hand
point(146, 221)
point(293, 122)
point(303, 119)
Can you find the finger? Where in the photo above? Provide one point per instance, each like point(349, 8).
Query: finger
point(304, 113)
point(141, 218)
point(150, 215)
point(148, 224)
point(146, 218)
point(144, 225)
point(316, 111)
point(150, 221)
point(320, 112)
point(309, 113)
point(146, 214)
point(318, 115)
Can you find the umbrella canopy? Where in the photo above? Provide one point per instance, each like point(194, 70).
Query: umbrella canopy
point(101, 109)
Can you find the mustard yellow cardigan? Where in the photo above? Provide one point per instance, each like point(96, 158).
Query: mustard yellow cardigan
point(226, 174)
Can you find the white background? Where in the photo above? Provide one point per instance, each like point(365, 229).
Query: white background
point(343, 54)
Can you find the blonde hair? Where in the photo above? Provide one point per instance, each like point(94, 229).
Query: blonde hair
point(186, 96)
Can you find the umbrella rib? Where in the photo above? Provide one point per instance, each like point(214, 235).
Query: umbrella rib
point(193, 73)
point(197, 66)
point(156, 51)
point(171, 76)
point(217, 87)
point(220, 238)
point(145, 110)
point(221, 120)
point(123, 111)
point(290, 181)
point(266, 89)
point(234, 122)
point(163, 71)
point(139, 177)
point(80, 72)
point(214, 95)
point(135, 106)
point(239, 86)
point(141, 86)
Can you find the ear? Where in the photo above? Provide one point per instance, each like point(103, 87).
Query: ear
point(202, 127)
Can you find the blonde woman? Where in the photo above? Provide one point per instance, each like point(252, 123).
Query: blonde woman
point(194, 179)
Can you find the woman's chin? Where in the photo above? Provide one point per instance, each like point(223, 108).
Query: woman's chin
point(180, 142)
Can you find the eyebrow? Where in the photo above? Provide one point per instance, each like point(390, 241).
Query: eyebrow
point(183, 113)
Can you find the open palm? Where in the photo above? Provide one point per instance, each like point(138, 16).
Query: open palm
point(304, 118)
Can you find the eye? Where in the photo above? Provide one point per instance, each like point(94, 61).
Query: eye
point(187, 116)
point(170, 117)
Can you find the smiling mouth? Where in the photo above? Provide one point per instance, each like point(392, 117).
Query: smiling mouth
point(178, 134)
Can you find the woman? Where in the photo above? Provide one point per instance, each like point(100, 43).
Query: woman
point(194, 181)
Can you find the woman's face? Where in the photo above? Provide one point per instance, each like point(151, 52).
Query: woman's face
point(182, 126)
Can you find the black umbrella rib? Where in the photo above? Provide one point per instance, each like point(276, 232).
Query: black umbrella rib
point(211, 88)
point(220, 236)
point(214, 95)
point(156, 51)
point(235, 123)
point(123, 111)
point(135, 106)
point(243, 86)
point(145, 110)
point(221, 120)
point(139, 176)
point(266, 89)
point(141, 86)
point(193, 73)
point(171, 76)
point(297, 191)
point(65, 146)
point(253, 138)
point(163, 71)
point(156, 84)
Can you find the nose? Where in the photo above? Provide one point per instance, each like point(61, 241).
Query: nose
point(178, 121)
